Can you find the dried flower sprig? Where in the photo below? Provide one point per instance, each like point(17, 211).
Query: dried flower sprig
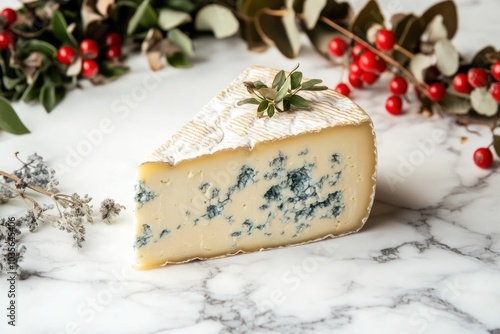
point(282, 94)
point(68, 213)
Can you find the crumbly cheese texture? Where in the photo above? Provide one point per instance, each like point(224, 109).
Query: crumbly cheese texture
point(229, 182)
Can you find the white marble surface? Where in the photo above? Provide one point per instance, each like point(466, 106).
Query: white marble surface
point(428, 260)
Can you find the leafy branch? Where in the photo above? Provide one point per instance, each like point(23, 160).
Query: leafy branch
point(282, 94)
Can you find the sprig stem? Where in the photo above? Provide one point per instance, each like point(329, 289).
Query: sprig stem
point(34, 188)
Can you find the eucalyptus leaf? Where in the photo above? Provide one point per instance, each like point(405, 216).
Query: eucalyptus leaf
point(480, 59)
point(496, 144)
point(252, 7)
point(248, 101)
point(183, 5)
point(309, 84)
point(270, 111)
point(74, 69)
point(60, 29)
point(179, 60)
point(268, 93)
point(182, 41)
point(286, 104)
point(168, 19)
point(317, 88)
point(249, 32)
point(136, 19)
point(408, 32)
point(149, 19)
point(278, 27)
point(279, 80)
point(371, 33)
point(48, 96)
point(448, 11)
point(299, 101)
point(321, 35)
point(418, 64)
point(283, 91)
point(483, 103)
point(111, 70)
point(9, 121)
point(311, 11)
point(436, 30)
point(447, 57)
point(296, 80)
point(33, 91)
point(10, 83)
point(455, 104)
point(263, 105)
point(367, 16)
point(218, 19)
point(60, 93)
point(259, 84)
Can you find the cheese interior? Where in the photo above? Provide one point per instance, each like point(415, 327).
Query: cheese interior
point(290, 191)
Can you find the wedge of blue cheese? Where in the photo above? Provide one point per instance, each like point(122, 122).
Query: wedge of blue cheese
point(230, 182)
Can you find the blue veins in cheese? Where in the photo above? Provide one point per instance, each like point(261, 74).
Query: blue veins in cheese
point(229, 182)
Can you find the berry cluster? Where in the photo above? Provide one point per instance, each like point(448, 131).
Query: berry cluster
point(8, 16)
point(480, 78)
point(89, 51)
point(364, 69)
point(366, 64)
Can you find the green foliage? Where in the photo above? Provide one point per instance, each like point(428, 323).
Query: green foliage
point(9, 121)
point(282, 94)
point(165, 28)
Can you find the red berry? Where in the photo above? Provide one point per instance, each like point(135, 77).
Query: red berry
point(381, 65)
point(89, 68)
point(89, 49)
point(477, 77)
point(6, 39)
point(461, 83)
point(495, 91)
point(343, 89)
point(369, 77)
point(436, 91)
point(368, 61)
point(398, 86)
point(495, 70)
point(357, 50)
point(114, 52)
point(66, 54)
point(394, 105)
point(114, 39)
point(355, 81)
point(385, 40)
point(10, 16)
point(483, 157)
point(355, 69)
point(337, 46)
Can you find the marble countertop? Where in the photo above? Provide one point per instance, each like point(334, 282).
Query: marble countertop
point(428, 260)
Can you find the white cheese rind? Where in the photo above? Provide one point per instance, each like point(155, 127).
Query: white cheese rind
point(255, 183)
point(221, 125)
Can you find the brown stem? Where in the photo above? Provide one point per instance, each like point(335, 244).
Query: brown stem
point(34, 188)
point(401, 49)
point(20, 194)
point(419, 85)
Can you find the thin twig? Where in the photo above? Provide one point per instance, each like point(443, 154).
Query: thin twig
point(401, 49)
point(34, 188)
